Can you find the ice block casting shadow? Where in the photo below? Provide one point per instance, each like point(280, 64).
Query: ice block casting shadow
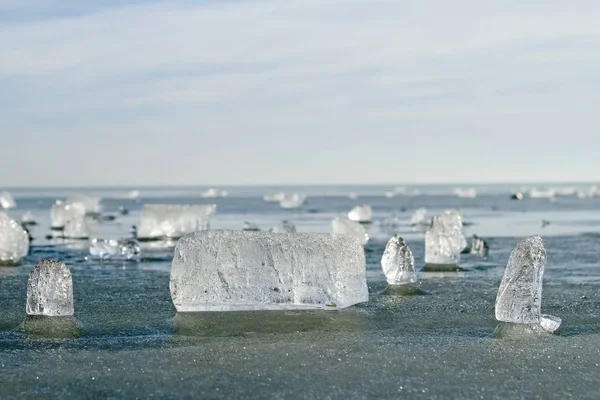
point(518, 304)
point(50, 302)
point(398, 265)
point(222, 270)
point(444, 241)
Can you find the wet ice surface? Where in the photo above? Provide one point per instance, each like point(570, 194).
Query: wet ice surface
point(435, 346)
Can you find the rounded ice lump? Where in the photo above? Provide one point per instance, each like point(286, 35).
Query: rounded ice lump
point(223, 270)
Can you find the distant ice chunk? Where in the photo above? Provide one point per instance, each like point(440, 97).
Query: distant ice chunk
point(222, 270)
point(361, 213)
point(133, 195)
point(50, 290)
point(7, 200)
point(292, 201)
point(444, 240)
point(542, 193)
point(250, 226)
point(92, 205)
point(28, 219)
point(284, 227)
point(343, 226)
point(479, 246)
point(168, 221)
point(58, 215)
point(14, 240)
point(273, 197)
point(75, 224)
point(123, 249)
point(520, 295)
point(419, 217)
point(213, 193)
point(398, 263)
point(465, 193)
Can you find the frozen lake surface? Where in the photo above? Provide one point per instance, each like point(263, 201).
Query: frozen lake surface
point(133, 343)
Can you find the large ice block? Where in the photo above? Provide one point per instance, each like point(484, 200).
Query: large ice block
point(7, 200)
point(50, 290)
point(91, 204)
point(398, 263)
point(223, 270)
point(343, 226)
point(168, 221)
point(361, 213)
point(444, 240)
point(123, 249)
point(14, 241)
point(75, 224)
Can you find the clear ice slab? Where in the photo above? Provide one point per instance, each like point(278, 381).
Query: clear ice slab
point(224, 270)
point(14, 241)
point(112, 249)
point(343, 226)
point(398, 263)
point(361, 213)
point(50, 290)
point(171, 221)
point(444, 241)
point(520, 294)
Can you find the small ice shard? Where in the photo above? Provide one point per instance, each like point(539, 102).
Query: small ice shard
point(91, 204)
point(292, 201)
point(75, 225)
point(50, 290)
point(223, 270)
point(398, 263)
point(361, 213)
point(284, 227)
point(171, 221)
point(28, 219)
point(520, 295)
point(479, 246)
point(249, 226)
point(444, 241)
point(343, 226)
point(7, 200)
point(123, 249)
point(213, 193)
point(14, 240)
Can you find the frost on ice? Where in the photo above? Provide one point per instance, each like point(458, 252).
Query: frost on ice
point(398, 263)
point(361, 213)
point(444, 240)
point(171, 221)
point(50, 290)
point(7, 200)
point(343, 226)
point(284, 227)
point(123, 249)
point(14, 241)
point(223, 270)
point(520, 295)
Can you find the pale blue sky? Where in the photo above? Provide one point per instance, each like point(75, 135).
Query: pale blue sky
point(298, 91)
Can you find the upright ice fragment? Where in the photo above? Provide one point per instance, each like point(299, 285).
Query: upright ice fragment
point(398, 263)
point(284, 227)
point(7, 200)
point(14, 241)
point(361, 213)
point(50, 290)
point(123, 249)
point(223, 270)
point(479, 246)
point(444, 240)
point(343, 226)
point(75, 225)
point(171, 221)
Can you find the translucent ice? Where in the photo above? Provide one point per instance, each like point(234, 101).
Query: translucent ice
point(291, 201)
point(123, 249)
point(7, 200)
point(167, 221)
point(398, 263)
point(273, 197)
point(549, 323)
point(58, 215)
point(479, 246)
point(91, 204)
point(28, 219)
point(250, 226)
point(75, 225)
point(343, 226)
point(50, 290)
point(284, 227)
point(444, 240)
point(214, 193)
point(14, 241)
point(419, 217)
point(222, 270)
point(361, 213)
point(520, 294)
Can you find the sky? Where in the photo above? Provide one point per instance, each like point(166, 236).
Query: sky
point(113, 92)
